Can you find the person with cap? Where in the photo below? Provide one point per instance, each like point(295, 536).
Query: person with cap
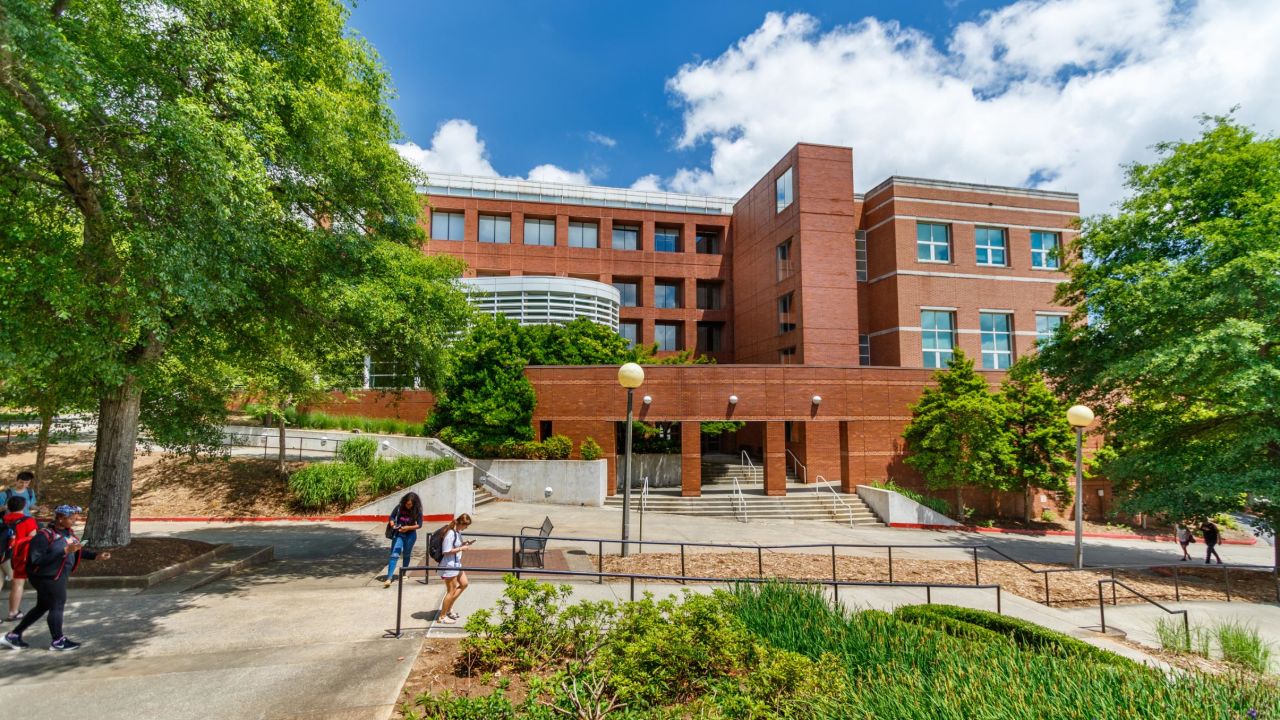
point(53, 554)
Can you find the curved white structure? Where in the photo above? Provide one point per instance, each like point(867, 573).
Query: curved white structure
point(542, 300)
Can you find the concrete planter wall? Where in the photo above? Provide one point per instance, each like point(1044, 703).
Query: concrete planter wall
point(662, 470)
point(572, 482)
point(897, 509)
point(449, 493)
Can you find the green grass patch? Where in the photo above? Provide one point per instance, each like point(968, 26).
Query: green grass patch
point(1242, 645)
point(361, 452)
point(386, 476)
point(320, 485)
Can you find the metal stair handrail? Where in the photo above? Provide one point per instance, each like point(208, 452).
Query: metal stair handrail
point(804, 471)
point(739, 499)
point(817, 489)
point(486, 478)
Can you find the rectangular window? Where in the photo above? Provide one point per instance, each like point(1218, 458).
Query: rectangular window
point(630, 331)
point(495, 229)
point(583, 234)
point(545, 430)
point(787, 356)
point(1046, 326)
point(709, 295)
point(667, 335)
point(864, 350)
point(666, 295)
point(710, 337)
point(1044, 250)
point(786, 321)
point(782, 255)
point(860, 254)
point(989, 244)
point(446, 225)
point(785, 190)
point(997, 340)
point(539, 232)
point(707, 242)
point(630, 293)
point(666, 240)
point(626, 237)
point(937, 337)
point(389, 375)
point(933, 242)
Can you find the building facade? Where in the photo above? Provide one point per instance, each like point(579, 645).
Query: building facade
point(802, 287)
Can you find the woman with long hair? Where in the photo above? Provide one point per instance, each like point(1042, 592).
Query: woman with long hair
point(455, 580)
point(402, 530)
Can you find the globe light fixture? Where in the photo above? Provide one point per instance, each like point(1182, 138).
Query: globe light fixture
point(646, 399)
point(1079, 417)
point(816, 399)
point(631, 376)
point(733, 399)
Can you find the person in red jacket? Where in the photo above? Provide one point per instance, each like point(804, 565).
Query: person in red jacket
point(21, 528)
point(53, 555)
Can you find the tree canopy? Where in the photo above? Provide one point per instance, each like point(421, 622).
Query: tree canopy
point(1175, 340)
point(1042, 440)
point(197, 185)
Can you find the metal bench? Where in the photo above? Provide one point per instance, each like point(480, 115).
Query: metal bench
point(533, 547)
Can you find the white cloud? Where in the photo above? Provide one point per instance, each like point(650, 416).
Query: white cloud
point(456, 147)
point(1056, 93)
point(647, 182)
point(601, 139)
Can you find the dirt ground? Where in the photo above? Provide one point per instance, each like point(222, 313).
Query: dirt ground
point(433, 673)
point(1069, 589)
point(1090, 526)
point(144, 556)
point(166, 485)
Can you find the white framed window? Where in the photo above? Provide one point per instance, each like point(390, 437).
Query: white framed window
point(447, 225)
point(538, 231)
point(626, 237)
point(583, 234)
point(666, 295)
point(997, 340)
point(933, 242)
point(937, 337)
point(667, 335)
point(991, 246)
point(1045, 249)
point(1046, 325)
point(785, 190)
point(495, 229)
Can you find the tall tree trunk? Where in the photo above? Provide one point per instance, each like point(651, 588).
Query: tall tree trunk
point(959, 503)
point(42, 447)
point(1026, 504)
point(283, 435)
point(109, 511)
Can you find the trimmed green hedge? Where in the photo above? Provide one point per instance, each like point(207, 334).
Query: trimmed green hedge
point(1024, 634)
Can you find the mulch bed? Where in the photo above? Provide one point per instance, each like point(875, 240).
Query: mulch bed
point(144, 556)
point(1068, 524)
point(1066, 589)
point(433, 673)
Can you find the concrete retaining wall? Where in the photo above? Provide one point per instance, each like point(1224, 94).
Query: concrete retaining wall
point(662, 470)
point(320, 444)
point(893, 508)
point(572, 482)
point(449, 493)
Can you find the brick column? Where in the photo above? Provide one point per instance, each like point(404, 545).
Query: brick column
point(850, 458)
point(691, 459)
point(775, 459)
point(820, 450)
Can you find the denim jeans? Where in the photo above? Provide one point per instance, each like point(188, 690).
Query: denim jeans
point(403, 543)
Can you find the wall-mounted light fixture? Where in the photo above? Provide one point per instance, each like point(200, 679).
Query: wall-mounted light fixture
point(733, 399)
point(816, 399)
point(646, 399)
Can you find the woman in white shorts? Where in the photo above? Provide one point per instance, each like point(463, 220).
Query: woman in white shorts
point(455, 580)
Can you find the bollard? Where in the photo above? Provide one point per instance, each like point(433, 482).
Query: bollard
point(1177, 586)
point(928, 594)
point(890, 564)
point(399, 599)
point(999, 610)
point(760, 561)
point(633, 589)
point(1046, 590)
point(833, 563)
point(600, 563)
point(1102, 610)
point(682, 572)
point(975, 566)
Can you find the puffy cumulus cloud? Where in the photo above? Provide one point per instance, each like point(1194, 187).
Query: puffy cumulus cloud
point(647, 182)
point(1054, 94)
point(456, 147)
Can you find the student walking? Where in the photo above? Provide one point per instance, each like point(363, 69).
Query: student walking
point(1185, 538)
point(54, 554)
point(455, 580)
point(18, 529)
point(402, 530)
point(21, 489)
point(1210, 533)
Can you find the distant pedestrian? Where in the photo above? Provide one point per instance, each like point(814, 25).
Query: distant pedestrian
point(22, 488)
point(1210, 533)
point(54, 554)
point(455, 579)
point(1185, 538)
point(18, 528)
point(402, 530)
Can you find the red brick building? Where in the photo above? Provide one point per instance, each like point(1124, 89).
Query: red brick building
point(802, 288)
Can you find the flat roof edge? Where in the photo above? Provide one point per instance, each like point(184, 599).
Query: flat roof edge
point(975, 187)
point(480, 186)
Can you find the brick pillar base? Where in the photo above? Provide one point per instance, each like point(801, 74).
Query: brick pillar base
point(691, 459)
point(775, 459)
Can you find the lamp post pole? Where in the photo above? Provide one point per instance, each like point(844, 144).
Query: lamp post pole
point(1079, 497)
point(626, 480)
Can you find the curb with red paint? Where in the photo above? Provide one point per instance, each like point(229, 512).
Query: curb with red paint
point(288, 518)
point(1062, 533)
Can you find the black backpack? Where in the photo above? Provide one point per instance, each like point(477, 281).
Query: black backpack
point(7, 534)
point(435, 547)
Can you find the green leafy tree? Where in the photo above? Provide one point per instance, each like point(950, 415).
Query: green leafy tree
point(1175, 340)
point(957, 436)
point(200, 180)
point(486, 401)
point(1042, 439)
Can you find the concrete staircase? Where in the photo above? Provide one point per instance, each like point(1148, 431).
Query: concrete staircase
point(483, 496)
point(724, 473)
point(802, 502)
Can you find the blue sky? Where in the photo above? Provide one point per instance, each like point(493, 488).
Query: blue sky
point(705, 96)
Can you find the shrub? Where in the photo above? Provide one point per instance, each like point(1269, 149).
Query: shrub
point(1241, 645)
point(319, 485)
point(389, 475)
point(933, 503)
point(557, 447)
point(590, 449)
point(361, 452)
point(1049, 516)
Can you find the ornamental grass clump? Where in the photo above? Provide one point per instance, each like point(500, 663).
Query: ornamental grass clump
point(1242, 645)
point(361, 452)
point(390, 475)
point(320, 485)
